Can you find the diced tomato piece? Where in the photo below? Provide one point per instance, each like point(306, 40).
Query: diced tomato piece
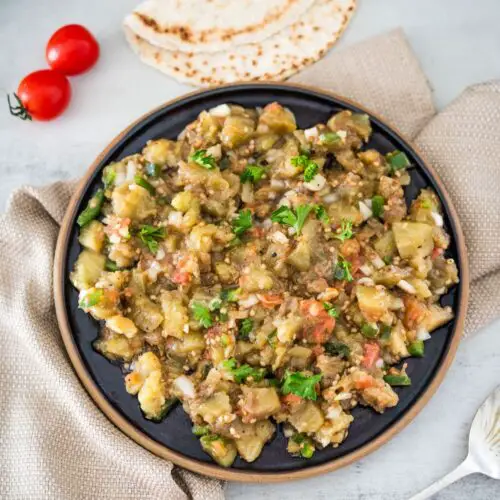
point(291, 399)
point(415, 312)
point(323, 330)
point(436, 253)
point(312, 308)
point(181, 277)
point(269, 300)
point(257, 232)
point(364, 382)
point(371, 352)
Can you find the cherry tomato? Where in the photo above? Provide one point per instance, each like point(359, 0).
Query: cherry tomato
point(72, 50)
point(41, 95)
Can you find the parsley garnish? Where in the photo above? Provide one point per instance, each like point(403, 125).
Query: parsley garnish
point(242, 222)
point(300, 161)
point(202, 314)
point(321, 214)
point(91, 299)
point(243, 372)
point(285, 215)
point(342, 270)
point(245, 327)
point(345, 230)
point(301, 385)
point(150, 235)
point(203, 159)
point(331, 310)
point(252, 173)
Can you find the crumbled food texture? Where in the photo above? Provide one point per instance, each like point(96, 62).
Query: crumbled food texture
point(254, 297)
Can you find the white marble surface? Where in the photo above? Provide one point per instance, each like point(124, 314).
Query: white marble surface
point(457, 42)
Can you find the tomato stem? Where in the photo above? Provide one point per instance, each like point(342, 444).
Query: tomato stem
point(19, 111)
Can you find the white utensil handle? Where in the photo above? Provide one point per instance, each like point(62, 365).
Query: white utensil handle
point(465, 468)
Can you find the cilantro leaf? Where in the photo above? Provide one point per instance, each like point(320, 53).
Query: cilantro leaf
point(245, 328)
point(342, 270)
point(321, 213)
point(345, 230)
point(300, 161)
point(335, 348)
point(242, 222)
point(286, 216)
point(202, 314)
point(301, 385)
point(309, 167)
point(331, 310)
point(230, 294)
point(310, 171)
point(203, 159)
point(150, 235)
point(243, 372)
point(252, 173)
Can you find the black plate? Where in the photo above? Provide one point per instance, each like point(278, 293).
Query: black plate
point(310, 107)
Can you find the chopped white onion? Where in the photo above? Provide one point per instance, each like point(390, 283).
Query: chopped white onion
point(343, 396)
point(278, 184)
point(368, 203)
point(378, 262)
point(396, 304)
point(366, 270)
point(131, 170)
point(342, 134)
point(365, 210)
point(267, 223)
point(311, 133)
point(249, 301)
point(153, 270)
point(440, 291)
point(120, 178)
point(438, 219)
point(284, 202)
point(279, 237)
point(331, 198)
point(288, 432)
point(221, 111)
point(316, 184)
point(215, 151)
point(160, 254)
point(366, 281)
point(175, 218)
point(423, 334)
point(185, 385)
point(406, 287)
point(333, 412)
point(379, 363)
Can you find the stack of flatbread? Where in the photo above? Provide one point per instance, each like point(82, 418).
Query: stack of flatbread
point(212, 42)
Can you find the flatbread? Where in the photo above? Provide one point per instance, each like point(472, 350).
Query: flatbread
point(276, 58)
point(212, 25)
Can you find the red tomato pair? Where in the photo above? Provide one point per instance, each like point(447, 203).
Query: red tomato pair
point(46, 93)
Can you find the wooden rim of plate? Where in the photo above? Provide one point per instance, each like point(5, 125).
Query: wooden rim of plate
point(214, 470)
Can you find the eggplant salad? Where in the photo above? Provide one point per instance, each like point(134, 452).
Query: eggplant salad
point(260, 274)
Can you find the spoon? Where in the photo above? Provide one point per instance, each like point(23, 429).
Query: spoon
point(484, 447)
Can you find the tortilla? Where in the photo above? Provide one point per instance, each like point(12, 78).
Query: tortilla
point(212, 25)
point(276, 58)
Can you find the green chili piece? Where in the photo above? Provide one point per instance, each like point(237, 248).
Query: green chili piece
point(144, 184)
point(92, 210)
point(417, 348)
point(397, 380)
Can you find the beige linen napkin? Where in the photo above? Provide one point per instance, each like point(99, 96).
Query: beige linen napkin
point(54, 443)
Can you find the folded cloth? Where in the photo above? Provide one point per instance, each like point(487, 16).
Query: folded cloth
point(54, 443)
